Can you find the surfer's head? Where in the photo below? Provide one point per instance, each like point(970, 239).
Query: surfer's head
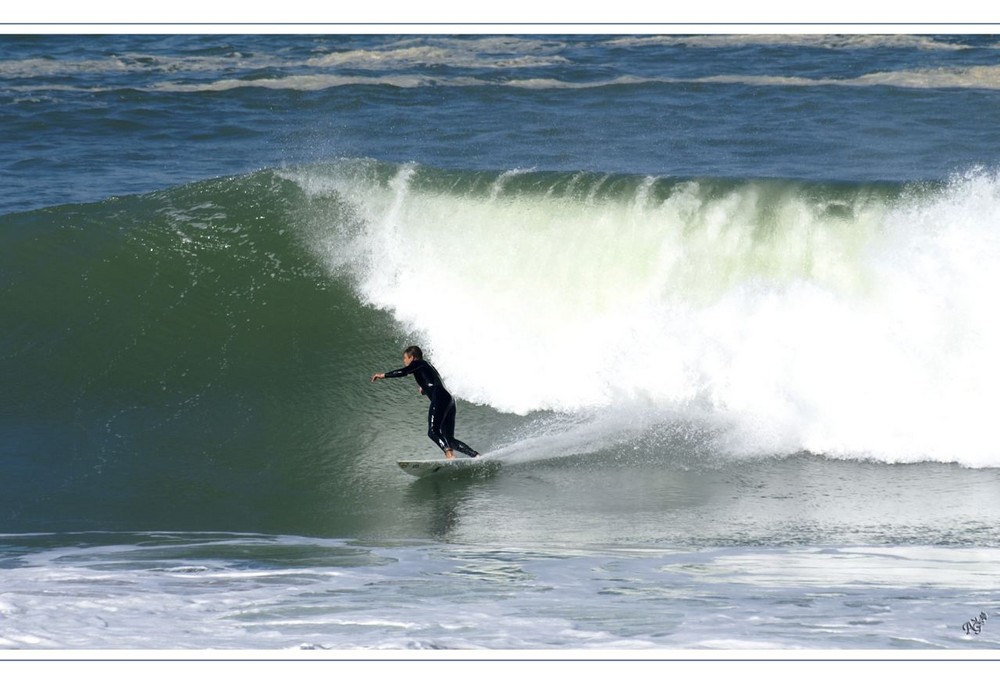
point(411, 354)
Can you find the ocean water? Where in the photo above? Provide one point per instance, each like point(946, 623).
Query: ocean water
point(722, 306)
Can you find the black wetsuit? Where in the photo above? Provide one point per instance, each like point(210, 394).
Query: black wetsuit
point(441, 415)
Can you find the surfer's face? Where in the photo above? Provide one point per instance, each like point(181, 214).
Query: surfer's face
point(407, 359)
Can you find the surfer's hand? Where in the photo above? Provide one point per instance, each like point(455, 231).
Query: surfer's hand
point(378, 376)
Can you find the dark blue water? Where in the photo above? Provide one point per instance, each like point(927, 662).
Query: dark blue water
point(89, 117)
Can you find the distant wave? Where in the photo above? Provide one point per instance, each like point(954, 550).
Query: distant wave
point(486, 52)
point(481, 53)
point(489, 61)
point(976, 77)
point(811, 40)
point(979, 77)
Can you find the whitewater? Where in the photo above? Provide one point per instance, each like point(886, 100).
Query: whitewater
point(847, 321)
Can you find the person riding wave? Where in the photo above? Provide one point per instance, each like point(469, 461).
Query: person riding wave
point(441, 415)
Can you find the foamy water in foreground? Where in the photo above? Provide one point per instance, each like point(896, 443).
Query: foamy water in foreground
point(250, 592)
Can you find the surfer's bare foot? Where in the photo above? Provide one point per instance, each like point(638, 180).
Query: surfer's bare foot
point(449, 454)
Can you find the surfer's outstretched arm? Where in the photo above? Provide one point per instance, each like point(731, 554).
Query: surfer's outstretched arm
point(400, 373)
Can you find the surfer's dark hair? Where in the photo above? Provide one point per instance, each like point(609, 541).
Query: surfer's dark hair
point(414, 352)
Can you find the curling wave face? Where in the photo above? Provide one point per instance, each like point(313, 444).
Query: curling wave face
point(218, 336)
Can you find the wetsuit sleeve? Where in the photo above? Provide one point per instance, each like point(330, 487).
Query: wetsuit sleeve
point(403, 372)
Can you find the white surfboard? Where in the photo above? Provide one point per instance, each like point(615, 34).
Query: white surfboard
point(446, 466)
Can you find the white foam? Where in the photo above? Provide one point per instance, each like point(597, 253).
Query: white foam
point(859, 41)
point(978, 77)
point(475, 596)
point(868, 331)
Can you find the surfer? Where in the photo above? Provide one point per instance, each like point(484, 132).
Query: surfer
point(441, 415)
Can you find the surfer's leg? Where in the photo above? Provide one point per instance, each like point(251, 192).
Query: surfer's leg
point(448, 428)
point(435, 421)
point(464, 448)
